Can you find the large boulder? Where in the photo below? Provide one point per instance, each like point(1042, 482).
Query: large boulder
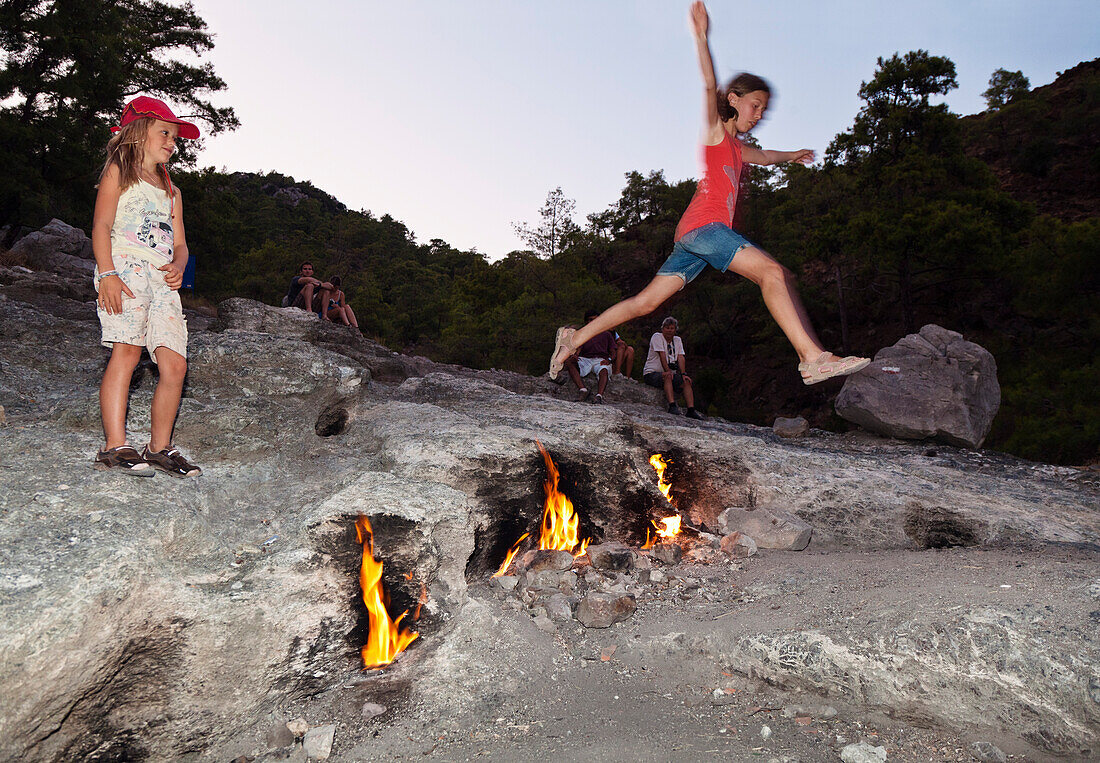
point(934, 384)
point(57, 247)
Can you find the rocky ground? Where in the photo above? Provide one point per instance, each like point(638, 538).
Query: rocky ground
point(946, 607)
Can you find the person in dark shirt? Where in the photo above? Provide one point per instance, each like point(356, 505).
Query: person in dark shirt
point(306, 292)
point(593, 356)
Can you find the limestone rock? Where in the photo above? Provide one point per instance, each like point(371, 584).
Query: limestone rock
point(57, 247)
point(986, 752)
point(545, 559)
point(861, 752)
point(769, 527)
point(795, 427)
point(602, 610)
point(738, 545)
point(931, 384)
point(317, 742)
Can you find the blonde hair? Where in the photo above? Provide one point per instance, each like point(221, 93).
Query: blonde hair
point(126, 150)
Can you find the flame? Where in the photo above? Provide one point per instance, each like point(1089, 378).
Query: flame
point(422, 601)
point(671, 527)
point(511, 555)
point(384, 641)
point(559, 520)
point(658, 462)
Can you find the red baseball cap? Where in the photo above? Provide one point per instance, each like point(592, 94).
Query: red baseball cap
point(144, 106)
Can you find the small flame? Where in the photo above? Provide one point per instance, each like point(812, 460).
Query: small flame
point(659, 464)
point(670, 530)
point(384, 641)
point(422, 601)
point(559, 520)
point(511, 555)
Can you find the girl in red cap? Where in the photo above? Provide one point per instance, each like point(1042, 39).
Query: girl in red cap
point(140, 253)
point(705, 235)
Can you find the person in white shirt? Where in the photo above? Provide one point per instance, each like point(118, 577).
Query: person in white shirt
point(665, 366)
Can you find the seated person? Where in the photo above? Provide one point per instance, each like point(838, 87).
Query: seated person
point(665, 365)
point(338, 310)
point(624, 356)
point(305, 290)
point(593, 356)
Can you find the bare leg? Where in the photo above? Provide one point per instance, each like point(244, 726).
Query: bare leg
point(642, 303)
point(307, 297)
point(166, 398)
point(602, 381)
point(689, 395)
point(628, 360)
point(351, 316)
point(777, 284)
point(114, 391)
point(670, 392)
point(574, 372)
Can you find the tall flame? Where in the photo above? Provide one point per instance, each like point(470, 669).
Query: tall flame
point(384, 641)
point(657, 461)
point(559, 520)
point(671, 524)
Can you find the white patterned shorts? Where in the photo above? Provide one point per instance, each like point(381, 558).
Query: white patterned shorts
point(152, 318)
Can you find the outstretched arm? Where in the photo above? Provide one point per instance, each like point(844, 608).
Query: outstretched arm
point(761, 156)
point(700, 26)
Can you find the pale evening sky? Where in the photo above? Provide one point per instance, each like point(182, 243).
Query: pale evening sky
point(457, 117)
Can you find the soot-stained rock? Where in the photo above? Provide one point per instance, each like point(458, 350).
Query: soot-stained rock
point(931, 384)
point(602, 610)
point(667, 552)
point(769, 527)
point(611, 556)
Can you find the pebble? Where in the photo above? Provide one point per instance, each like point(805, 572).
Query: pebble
point(545, 624)
point(738, 545)
point(765, 732)
point(601, 610)
point(657, 576)
point(795, 427)
point(667, 553)
point(280, 736)
point(318, 742)
point(987, 752)
point(298, 727)
point(812, 711)
point(861, 752)
point(372, 710)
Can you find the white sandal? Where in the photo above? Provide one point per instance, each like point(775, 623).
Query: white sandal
point(824, 368)
point(561, 341)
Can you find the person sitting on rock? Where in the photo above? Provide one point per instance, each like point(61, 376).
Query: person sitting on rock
point(337, 309)
point(624, 356)
point(306, 291)
point(665, 368)
point(593, 356)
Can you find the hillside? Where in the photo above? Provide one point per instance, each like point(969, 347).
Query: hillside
point(1044, 147)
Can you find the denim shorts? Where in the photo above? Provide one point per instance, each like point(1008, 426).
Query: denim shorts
point(712, 244)
point(657, 379)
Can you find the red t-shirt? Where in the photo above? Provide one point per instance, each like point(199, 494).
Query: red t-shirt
point(716, 197)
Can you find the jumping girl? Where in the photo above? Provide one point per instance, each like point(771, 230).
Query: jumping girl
point(704, 235)
point(140, 253)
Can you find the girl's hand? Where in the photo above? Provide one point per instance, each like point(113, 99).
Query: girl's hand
point(804, 156)
point(699, 20)
point(111, 290)
point(173, 276)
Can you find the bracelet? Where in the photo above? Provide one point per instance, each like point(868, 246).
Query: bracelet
point(101, 276)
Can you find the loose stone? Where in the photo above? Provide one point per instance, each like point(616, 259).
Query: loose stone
point(738, 545)
point(318, 742)
point(602, 610)
point(795, 427)
point(987, 752)
point(611, 556)
point(861, 752)
point(667, 553)
point(372, 710)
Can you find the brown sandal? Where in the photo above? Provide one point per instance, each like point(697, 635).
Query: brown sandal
point(171, 461)
point(123, 459)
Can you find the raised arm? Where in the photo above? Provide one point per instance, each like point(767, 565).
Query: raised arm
point(700, 25)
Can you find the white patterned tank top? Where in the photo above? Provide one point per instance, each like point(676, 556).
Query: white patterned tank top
point(143, 224)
